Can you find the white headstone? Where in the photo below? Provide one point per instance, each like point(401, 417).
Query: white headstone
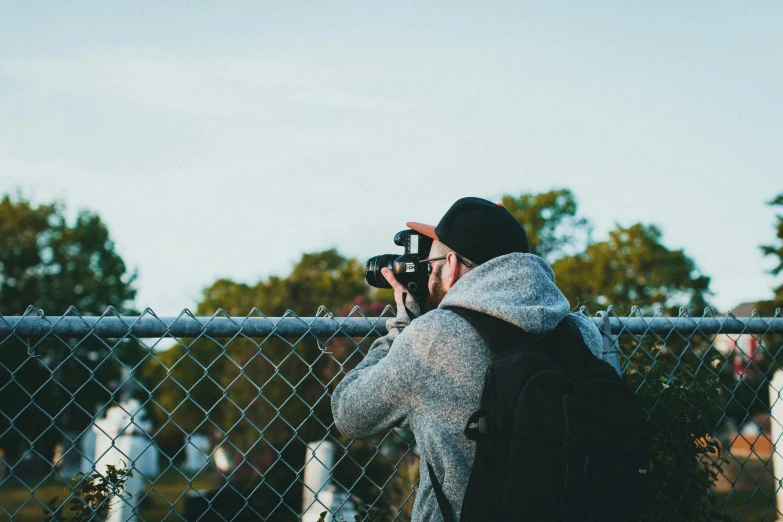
point(222, 459)
point(319, 494)
point(87, 445)
point(196, 452)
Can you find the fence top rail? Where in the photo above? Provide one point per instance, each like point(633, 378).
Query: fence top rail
point(186, 325)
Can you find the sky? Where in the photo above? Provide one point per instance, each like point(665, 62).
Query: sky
point(226, 139)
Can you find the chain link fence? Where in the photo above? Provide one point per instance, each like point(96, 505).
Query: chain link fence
point(229, 418)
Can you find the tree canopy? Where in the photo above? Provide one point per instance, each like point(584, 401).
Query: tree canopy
point(551, 222)
point(776, 251)
point(318, 279)
point(630, 268)
point(255, 386)
point(51, 264)
point(322, 278)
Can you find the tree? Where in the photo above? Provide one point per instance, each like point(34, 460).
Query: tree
point(682, 399)
point(233, 391)
point(632, 268)
point(551, 222)
point(50, 264)
point(52, 386)
point(323, 278)
point(775, 250)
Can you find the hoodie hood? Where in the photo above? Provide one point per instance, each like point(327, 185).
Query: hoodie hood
point(520, 289)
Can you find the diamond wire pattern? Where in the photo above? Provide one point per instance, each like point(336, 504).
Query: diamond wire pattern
point(259, 400)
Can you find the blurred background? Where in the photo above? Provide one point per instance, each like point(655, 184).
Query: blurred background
point(224, 141)
point(248, 155)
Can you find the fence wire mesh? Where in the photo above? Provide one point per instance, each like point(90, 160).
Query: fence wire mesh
point(229, 418)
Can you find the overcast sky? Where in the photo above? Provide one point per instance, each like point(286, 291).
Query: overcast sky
point(226, 139)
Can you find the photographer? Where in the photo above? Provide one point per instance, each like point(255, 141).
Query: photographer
point(429, 371)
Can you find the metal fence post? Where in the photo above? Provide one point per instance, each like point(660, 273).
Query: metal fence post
point(611, 351)
point(775, 400)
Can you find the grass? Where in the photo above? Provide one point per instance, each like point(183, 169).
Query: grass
point(756, 506)
point(747, 487)
point(161, 503)
point(166, 500)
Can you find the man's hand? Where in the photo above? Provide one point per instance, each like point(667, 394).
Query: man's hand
point(398, 287)
point(402, 296)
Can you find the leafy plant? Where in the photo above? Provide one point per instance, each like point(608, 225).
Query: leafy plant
point(775, 250)
point(683, 403)
point(91, 497)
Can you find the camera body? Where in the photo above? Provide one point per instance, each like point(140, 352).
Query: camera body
point(406, 267)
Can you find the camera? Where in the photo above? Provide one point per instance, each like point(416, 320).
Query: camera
point(406, 267)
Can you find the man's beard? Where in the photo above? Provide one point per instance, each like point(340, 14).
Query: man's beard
point(437, 294)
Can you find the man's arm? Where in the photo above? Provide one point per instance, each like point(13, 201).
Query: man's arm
point(375, 395)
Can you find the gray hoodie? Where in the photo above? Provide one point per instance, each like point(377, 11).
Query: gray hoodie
point(429, 372)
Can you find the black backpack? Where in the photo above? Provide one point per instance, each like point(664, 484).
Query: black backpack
point(559, 436)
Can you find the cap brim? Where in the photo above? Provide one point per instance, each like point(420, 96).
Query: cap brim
point(421, 228)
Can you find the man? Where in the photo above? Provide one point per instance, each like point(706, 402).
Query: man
point(428, 372)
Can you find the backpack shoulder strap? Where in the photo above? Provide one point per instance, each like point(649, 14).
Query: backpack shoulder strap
point(440, 496)
point(573, 353)
point(500, 335)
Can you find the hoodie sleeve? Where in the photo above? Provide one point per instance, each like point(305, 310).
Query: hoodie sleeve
point(376, 395)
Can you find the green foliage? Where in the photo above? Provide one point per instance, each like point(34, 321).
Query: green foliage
point(776, 250)
point(52, 264)
point(261, 378)
point(632, 268)
point(91, 498)
point(551, 222)
point(322, 278)
point(682, 399)
point(48, 263)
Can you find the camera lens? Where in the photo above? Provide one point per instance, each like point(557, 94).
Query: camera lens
point(372, 270)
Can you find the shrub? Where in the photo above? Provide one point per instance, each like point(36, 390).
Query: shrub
point(683, 403)
point(91, 497)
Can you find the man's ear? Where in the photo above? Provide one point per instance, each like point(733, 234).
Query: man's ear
point(454, 269)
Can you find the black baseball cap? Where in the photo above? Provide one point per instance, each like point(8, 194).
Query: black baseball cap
point(478, 230)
